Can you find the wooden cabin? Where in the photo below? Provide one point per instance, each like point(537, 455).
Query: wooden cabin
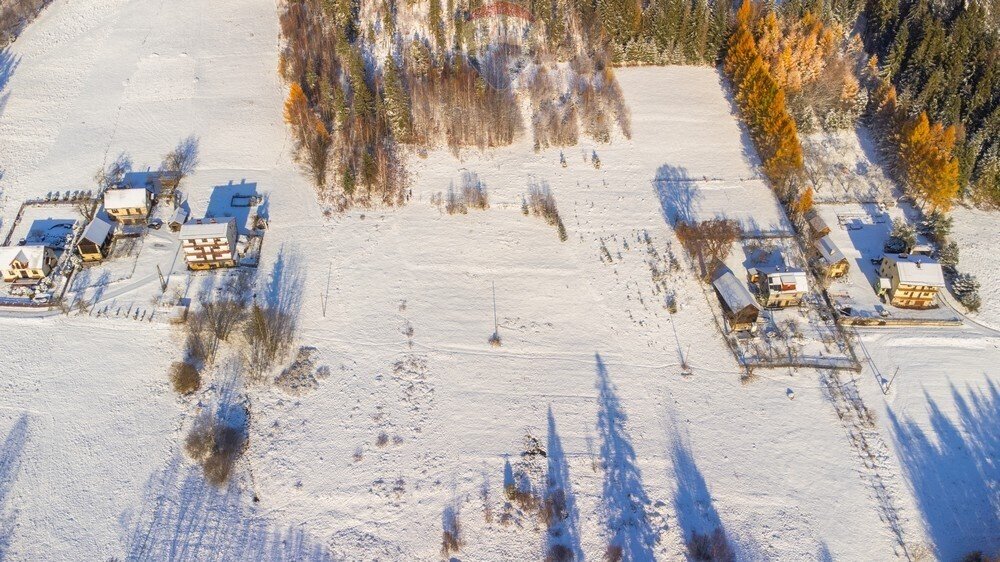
point(26, 263)
point(95, 241)
point(738, 305)
point(128, 206)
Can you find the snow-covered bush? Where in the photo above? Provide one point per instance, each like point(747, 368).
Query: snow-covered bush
point(966, 290)
point(905, 234)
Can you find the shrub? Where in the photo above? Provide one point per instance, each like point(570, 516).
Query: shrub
point(216, 445)
point(451, 536)
point(966, 289)
point(542, 203)
point(712, 547)
point(185, 377)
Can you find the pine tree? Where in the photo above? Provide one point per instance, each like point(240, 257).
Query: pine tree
point(397, 102)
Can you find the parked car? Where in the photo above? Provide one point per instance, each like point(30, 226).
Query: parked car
point(155, 224)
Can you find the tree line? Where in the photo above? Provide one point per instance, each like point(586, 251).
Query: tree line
point(423, 75)
point(14, 15)
point(941, 58)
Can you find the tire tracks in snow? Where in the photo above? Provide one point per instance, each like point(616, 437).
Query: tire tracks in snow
point(874, 454)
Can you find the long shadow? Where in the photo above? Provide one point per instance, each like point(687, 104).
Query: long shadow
point(563, 541)
point(8, 64)
point(954, 473)
point(625, 499)
point(10, 463)
point(678, 194)
point(699, 522)
point(183, 517)
point(233, 200)
point(284, 288)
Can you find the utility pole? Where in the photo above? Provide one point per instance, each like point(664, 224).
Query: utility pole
point(326, 297)
point(886, 391)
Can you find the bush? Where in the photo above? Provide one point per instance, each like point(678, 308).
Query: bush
point(451, 536)
point(184, 377)
point(542, 203)
point(712, 547)
point(966, 290)
point(216, 445)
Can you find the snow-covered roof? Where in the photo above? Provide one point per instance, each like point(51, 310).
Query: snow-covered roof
point(791, 280)
point(180, 215)
point(817, 223)
point(33, 256)
point(917, 270)
point(733, 292)
point(206, 228)
point(829, 250)
point(132, 198)
point(97, 231)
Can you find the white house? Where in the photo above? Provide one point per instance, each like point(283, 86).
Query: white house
point(783, 286)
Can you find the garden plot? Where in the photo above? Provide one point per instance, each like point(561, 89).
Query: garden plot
point(796, 336)
point(842, 167)
point(53, 225)
point(860, 231)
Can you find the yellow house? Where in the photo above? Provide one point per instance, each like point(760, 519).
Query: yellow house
point(128, 206)
point(834, 261)
point(25, 262)
point(911, 281)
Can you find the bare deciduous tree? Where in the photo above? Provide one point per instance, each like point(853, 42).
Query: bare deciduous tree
point(708, 242)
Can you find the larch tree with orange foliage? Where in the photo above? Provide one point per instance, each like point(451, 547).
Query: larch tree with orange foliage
point(311, 134)
point(929, 166)
point(762, 103)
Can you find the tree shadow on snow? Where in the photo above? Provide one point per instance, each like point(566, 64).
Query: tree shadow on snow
point(283, 291)
point(678, 194)
point(631, 536)
point(10, 462)
point(563, 540)
point(699, 522)
point(183, 517)
point(8, 63)
point(953, 471)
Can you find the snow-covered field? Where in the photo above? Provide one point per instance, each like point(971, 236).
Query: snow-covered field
point(91, 461)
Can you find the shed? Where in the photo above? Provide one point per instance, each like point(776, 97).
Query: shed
point(834, 261)
point(738, 305)
point(818, 226)
point(178, 219)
